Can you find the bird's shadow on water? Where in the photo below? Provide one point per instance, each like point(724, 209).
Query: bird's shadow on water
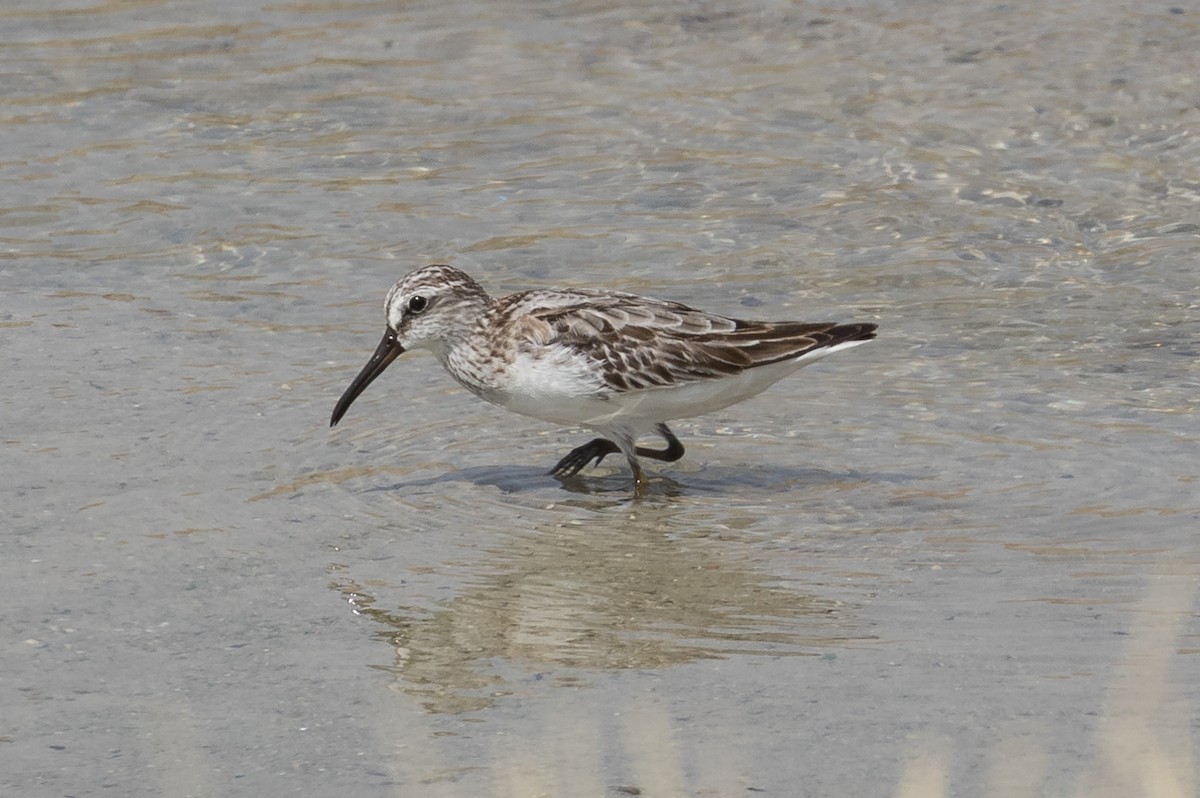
point(709, 481)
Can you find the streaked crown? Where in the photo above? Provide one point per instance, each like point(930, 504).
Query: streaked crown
point(433, 305)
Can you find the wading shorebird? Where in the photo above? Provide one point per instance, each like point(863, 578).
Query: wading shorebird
point(620, 364)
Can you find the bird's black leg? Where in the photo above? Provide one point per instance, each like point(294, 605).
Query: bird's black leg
point(595, 449)
point(670, 454)
point(598, 448)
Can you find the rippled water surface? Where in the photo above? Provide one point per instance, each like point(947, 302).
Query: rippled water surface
point(960, 560)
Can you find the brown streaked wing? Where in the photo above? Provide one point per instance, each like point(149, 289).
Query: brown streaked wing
point(640, 343)
point(771, 342)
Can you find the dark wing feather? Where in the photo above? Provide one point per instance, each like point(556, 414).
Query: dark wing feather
point(645, 343)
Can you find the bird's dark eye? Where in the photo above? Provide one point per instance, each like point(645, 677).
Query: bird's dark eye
point(417, 304)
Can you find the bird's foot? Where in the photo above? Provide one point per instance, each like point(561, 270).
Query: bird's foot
point(580, 457)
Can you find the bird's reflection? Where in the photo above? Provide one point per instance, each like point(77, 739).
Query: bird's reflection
point(611, 585)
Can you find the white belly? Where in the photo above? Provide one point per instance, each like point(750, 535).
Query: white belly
point(568, 393)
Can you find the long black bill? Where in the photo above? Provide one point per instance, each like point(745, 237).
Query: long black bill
point(387, 351)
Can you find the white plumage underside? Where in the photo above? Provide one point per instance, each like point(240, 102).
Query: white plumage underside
point(562, 386)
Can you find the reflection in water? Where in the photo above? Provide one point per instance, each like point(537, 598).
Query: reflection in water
point(616, 592)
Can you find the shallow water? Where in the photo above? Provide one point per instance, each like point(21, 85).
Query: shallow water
point(906, 568)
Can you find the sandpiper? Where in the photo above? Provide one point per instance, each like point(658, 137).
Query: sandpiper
point(617, 363)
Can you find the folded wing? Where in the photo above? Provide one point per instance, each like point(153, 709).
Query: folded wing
point(640, 343)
